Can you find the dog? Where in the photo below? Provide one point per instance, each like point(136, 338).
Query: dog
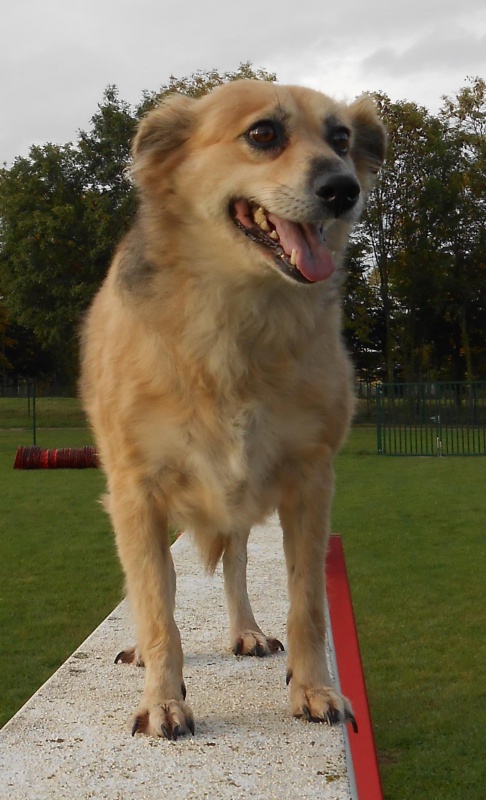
point(214, 374)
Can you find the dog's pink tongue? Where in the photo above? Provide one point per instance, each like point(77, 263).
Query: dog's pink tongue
point(313, 257)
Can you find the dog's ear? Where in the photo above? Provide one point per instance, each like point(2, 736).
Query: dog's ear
point(369, 141)
point(162, 131)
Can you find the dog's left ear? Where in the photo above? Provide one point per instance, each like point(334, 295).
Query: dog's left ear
point(369, 135)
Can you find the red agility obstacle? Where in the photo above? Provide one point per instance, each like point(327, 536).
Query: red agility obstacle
point(64, 458)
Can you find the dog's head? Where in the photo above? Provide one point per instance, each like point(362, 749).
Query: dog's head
point(272, 176)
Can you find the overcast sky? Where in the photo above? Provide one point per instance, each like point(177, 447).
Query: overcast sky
point(57, 56)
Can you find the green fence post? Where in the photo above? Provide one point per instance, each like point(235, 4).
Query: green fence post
point(34, 426)
point(378, 419)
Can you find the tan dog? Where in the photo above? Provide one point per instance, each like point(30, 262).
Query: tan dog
point(214, 374)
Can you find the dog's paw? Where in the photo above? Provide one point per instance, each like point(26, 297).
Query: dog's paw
point(131, 655)
point(254, 643)
point(167, 720)
point(321, 704)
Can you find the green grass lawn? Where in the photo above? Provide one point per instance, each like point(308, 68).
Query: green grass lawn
point(416, 555)
point(413, 532)
point(59, 575)
point(51, 412)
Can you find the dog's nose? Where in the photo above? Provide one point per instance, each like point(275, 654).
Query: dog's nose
point(338, 193)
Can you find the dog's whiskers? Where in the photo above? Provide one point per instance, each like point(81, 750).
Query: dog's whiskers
point(281, 199)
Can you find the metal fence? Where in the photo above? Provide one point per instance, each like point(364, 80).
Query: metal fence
point(403, 419)
point(431, 419)
point(34, 412)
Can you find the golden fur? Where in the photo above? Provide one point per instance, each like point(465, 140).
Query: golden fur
point(214, 374)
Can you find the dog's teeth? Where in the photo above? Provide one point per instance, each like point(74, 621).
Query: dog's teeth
point(293, 258)
point(259, 216)
point(261, 220)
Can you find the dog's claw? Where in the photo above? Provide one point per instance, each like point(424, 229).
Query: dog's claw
point(288, 676)
point(136, 725)
point(238, 648)
point(121, 658)
point(262, 646)
point(349, 717)
point(129, 656)
point(165, 721)
point(331, 717)
point(167, 732)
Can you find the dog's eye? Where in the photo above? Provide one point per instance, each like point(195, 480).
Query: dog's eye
point(340, 140)
point(264, 134)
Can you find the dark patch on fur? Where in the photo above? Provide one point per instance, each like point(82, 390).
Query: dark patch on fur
point(135, 272)
point(369, 141)
point(331, 124)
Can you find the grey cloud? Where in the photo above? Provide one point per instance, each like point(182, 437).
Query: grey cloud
point(58, 56)
point(438, 51)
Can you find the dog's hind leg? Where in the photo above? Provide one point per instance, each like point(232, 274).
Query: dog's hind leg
point(143, 546)
point(131, 655)
point(247, 638)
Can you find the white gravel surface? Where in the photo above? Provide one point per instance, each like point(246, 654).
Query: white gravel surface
point(72, 741)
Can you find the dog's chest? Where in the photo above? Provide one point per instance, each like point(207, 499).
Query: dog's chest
point(222, 467)
point(242, 458)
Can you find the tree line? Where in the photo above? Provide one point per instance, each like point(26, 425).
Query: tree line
point(415, 298)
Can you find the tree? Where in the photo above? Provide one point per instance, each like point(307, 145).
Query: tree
point(21, 355)
point(62, 211)
point(422, 239)
point(396, 236)
point(43, 246)
point(103, 159)
point(466, 113)
point(415, 304)
point(363, 313)
point(5, 343)
point(64, 208)
point(465, 117)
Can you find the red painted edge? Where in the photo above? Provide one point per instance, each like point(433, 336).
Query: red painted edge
point(351, 675)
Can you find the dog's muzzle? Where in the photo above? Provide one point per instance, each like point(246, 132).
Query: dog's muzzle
point(299, 250)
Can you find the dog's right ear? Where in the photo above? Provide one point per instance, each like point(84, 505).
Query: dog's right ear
point(162, 131)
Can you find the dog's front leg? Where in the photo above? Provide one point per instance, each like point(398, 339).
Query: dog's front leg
point(247, 638)
point(143, 545)
point(304, 514)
